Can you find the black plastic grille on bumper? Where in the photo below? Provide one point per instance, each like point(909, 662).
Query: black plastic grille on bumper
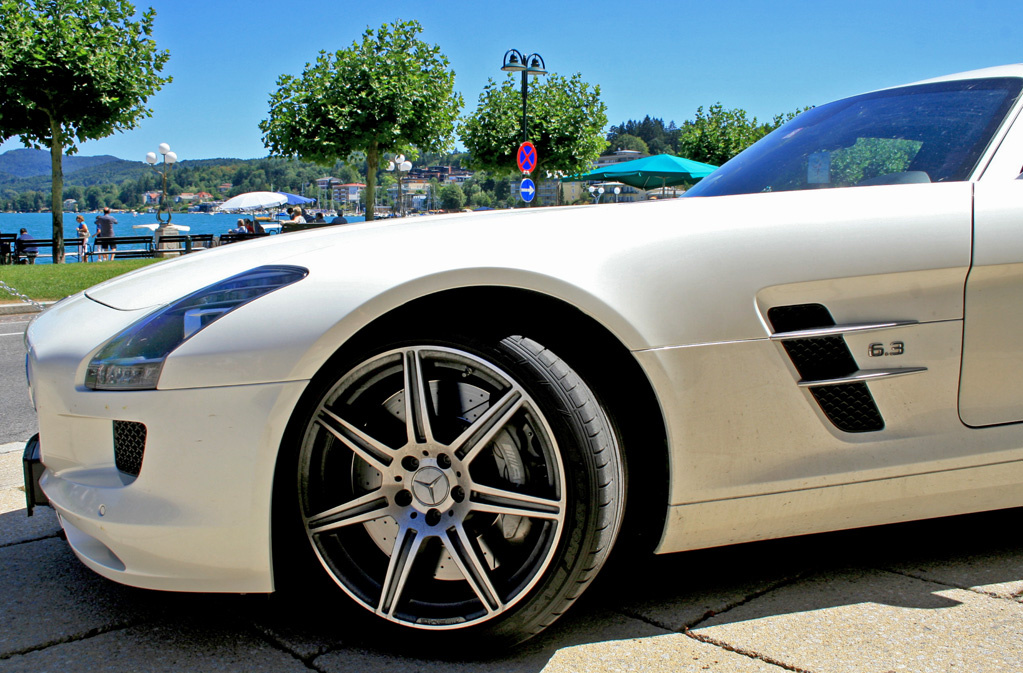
point(849, 406)
point(129, 446)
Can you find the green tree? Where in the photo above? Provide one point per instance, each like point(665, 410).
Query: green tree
point(717, 135)
point(391, 93)
point(74, 193)
point(30, 202)
point(452, 197)
point(652, 131)
point(129, 195)
point(71, 71)
point(627, 141)
point(93, 198)
point(566, 119)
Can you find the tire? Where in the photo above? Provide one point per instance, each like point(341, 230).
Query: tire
point(452, 489)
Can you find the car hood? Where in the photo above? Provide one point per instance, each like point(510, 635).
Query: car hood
point(167, 281)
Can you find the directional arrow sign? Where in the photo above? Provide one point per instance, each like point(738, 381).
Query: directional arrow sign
point(526, 157)
point(527, 190)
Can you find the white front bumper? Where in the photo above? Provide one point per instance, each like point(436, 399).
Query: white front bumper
point(197, 517)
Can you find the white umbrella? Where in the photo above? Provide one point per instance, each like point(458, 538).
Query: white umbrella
point(253, 201)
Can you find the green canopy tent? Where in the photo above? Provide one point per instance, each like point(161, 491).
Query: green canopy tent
point(659, 170)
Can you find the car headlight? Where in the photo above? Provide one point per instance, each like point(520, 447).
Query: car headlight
point(133, 359)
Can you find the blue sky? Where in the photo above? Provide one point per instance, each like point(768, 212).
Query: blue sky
point(660, 59)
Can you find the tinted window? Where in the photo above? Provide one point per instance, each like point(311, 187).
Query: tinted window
point(924, 133)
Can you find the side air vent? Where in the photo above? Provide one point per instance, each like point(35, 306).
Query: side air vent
point(822, 361)
point(129, 446)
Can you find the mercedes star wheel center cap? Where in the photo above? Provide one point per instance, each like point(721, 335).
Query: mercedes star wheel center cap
point(430, 486)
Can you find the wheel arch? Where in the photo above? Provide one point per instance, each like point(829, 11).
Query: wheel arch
point(591, 349)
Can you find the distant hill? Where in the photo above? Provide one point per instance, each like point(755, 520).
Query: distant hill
point(25, 170)
point(27, 163)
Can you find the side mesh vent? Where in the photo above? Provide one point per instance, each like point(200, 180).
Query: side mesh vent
point(850, 407)
point(129, 446)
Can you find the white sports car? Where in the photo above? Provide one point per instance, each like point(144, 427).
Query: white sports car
point(453, 419)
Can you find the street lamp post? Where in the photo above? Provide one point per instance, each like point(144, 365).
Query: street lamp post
point(169, 159)
point(596, 192)
point(534, 65)
point(330, 192)
point(399, 166)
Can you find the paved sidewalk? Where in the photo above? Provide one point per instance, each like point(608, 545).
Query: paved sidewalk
point(934, 596)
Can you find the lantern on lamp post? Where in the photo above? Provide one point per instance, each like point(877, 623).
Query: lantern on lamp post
point(534, 65)
point(399, 166)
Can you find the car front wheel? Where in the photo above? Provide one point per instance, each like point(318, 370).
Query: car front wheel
point(445, 485)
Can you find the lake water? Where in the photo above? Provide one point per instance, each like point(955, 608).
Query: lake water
point(40, 225)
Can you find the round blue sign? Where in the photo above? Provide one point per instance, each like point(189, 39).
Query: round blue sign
point(527, 190)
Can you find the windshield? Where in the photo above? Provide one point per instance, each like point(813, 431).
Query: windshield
point(923, 133)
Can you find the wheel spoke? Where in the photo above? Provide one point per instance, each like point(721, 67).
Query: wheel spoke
point(469, 560)
point(365, 508)
point(468, 445)
point(417, 409)
point(500, 501)
point(407, 544)
point(373, 452)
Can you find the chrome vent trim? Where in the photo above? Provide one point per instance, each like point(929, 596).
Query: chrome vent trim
point(839, 330)
point(825, 365)
point(861, 376)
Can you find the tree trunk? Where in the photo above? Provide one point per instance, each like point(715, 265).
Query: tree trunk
point(57, 191)
point(372, 162)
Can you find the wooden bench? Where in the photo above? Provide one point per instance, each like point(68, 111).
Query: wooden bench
point(7, 248)
point(104, 245)
point(184, 243)
point(73, 247)
point(234, 238)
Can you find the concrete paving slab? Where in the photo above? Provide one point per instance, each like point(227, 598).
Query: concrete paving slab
point(309, 627)
point(582, 627)
point(866, 621)
point(677, 591)
point(998, 574)
point(981, 555)
point(161, 648)
point(12, 447)
point(50, 597)
point(15, 525)
point(11, 475)
point(673, 653)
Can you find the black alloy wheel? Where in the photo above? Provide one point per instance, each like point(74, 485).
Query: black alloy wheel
point(452, 486)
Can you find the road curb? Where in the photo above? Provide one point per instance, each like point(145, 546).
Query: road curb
point(18, 308)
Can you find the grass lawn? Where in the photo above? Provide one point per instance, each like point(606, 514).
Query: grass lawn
point(50, 282)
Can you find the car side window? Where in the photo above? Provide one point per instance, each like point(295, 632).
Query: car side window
point(922, 133)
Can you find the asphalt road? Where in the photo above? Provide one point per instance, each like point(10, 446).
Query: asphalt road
point(941, 596)
point(17, 419)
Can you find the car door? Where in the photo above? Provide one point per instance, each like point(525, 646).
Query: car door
point(991, 388)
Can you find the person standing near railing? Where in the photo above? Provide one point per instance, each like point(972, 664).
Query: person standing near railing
point(83, 239)
point(105, 227)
